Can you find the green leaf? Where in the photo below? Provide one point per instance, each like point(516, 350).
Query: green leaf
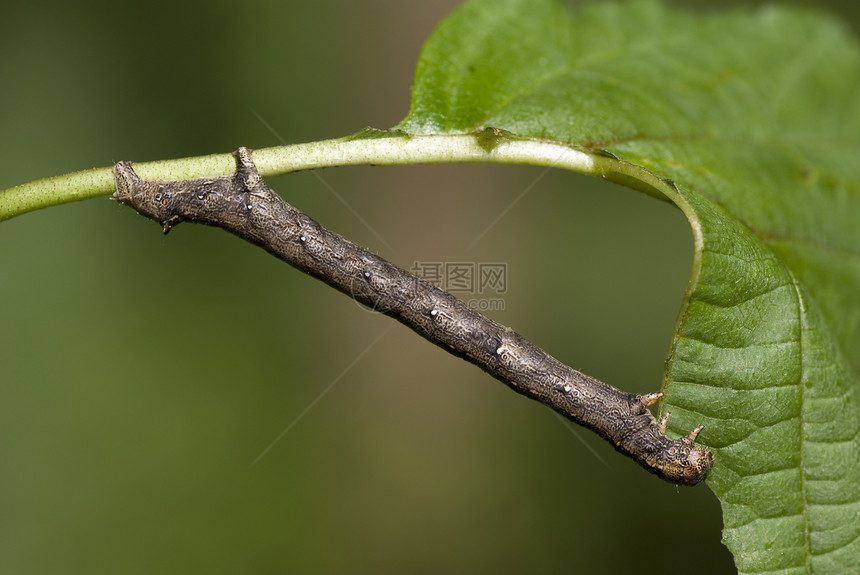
point(751, 123)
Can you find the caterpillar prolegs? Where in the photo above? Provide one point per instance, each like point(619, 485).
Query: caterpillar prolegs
point(243, 205)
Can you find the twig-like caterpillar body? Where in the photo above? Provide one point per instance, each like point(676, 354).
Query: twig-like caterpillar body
point(243, 205)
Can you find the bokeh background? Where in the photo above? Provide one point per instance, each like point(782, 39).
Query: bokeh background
point(142, 376)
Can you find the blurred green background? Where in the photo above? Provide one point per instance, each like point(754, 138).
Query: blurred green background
point(141, 376)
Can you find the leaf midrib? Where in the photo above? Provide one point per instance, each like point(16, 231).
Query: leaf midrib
point(802, 318)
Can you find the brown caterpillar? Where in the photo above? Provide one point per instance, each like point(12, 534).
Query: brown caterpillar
point(243, 205)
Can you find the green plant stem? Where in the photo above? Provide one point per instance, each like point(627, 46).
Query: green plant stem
point(369, 147)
